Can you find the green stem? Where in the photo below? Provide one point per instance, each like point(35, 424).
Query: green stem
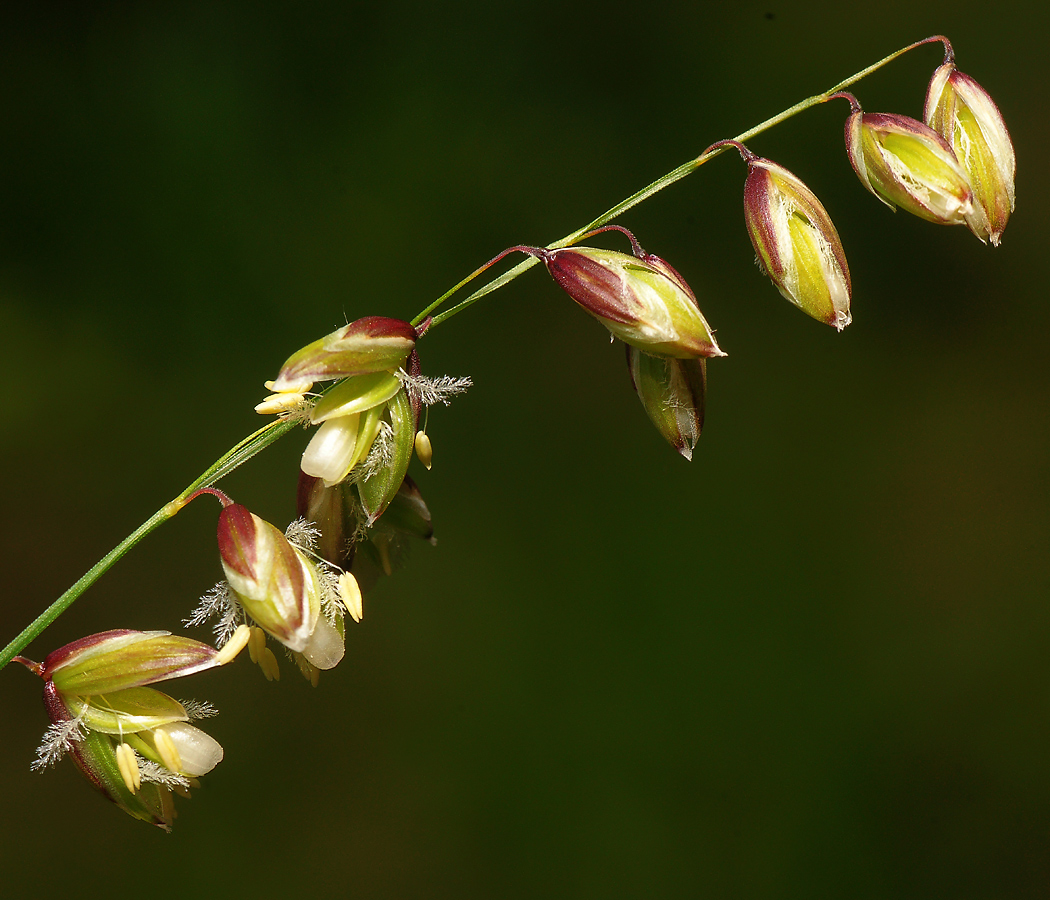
point(265, 436)
point(645, 193)
point(239, 454)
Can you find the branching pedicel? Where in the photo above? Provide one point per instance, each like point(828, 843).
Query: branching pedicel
point(358, 507)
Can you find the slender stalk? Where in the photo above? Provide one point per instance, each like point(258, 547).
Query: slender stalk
point(239, 454)
point(265, 436)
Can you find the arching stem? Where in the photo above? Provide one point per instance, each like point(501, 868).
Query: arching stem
point(425, 321)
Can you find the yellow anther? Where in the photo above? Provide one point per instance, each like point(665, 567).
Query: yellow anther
point(166, 749)
point(279, 403)
point(237, 642)
point(350, 594)
point(256, 644)
point(128, 765)
point(268, 664)
point(424, 449)
point(300, 387)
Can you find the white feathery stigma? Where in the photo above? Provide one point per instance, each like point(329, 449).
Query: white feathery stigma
point(198, 709)
point(434, 390)
point(57, 741)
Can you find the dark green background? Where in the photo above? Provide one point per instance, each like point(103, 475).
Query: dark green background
point(813, 663)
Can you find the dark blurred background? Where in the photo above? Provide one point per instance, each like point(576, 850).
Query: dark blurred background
point(815, 662)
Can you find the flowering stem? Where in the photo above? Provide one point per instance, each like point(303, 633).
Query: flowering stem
point(645, 193)
point(241, 453)
point(265, 436)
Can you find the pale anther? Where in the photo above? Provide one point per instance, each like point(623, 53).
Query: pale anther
point(166, 749)
point(279, 403)
point(237, 642)
point(268, 664)
point(350, 594)
point(256, 644)
point(424, 449)
point(129, 767)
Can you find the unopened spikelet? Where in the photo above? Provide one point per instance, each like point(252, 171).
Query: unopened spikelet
point(796, 242)
point(964, 114)
point(640, 298)
point(673, 394)
point(907, 164)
